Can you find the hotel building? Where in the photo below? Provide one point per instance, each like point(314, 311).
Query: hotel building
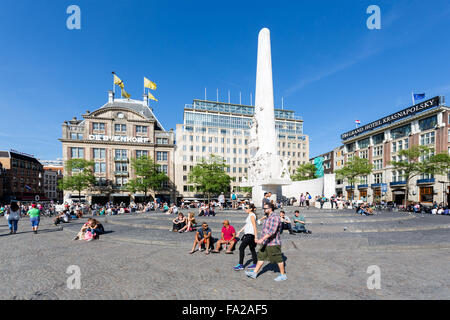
point(110, 136)
point(223, 129)
point(53, 173)
point(426, 124)
point(23, 177)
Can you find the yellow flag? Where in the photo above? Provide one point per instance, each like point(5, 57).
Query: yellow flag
point(150, 96)
point(125, 94)
point(149, 84)
point(118, 82)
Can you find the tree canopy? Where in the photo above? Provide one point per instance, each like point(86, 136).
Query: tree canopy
point(306, 171)
point(80, 177)
point(210, 177)
point(420, 160)
point(353, 169)
point(149, 175)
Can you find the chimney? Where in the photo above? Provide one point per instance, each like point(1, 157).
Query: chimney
point(145, 100)
point(110, 96)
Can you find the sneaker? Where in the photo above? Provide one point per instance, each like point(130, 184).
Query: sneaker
point(251, 274)
point(253, 266)
point(238, 267)
point(281, 277)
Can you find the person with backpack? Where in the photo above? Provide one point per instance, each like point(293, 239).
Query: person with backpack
point(13, 217)
point(233, 201)
point(307, 199)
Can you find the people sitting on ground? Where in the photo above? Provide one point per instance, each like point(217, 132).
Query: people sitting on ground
point(202, 209)
point(96, 228)
point(210, 210)
point(79, 214)
point(364, 209)
point(62, 217)
point(285, 223)
point(299, 223)
point(190, 223)
point(172, 209)
point(202, 238)
point(179, 222)
point(228, 237)
point(166, 208)
point(81, 233)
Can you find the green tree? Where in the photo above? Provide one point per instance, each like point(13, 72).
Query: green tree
point(149, 175)
point(81, 176)
point(247, 190)
point(353, 169)
point(306, 171)
point(420, 160)
point(210, 177)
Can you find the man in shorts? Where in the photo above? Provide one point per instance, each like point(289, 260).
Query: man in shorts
point(202, 237)
point(271, 244)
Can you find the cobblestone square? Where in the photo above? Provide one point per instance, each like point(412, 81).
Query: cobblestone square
point(139, 258)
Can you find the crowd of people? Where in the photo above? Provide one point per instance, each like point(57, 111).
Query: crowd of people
point(273, 225)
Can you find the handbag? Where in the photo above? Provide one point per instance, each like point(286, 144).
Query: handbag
point(89, 235)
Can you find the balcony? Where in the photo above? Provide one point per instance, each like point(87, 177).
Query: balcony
point(397, 183)
point(378, 185)
point(349, 187)
point(363, 186)
point(121, 173)
point(426, 181)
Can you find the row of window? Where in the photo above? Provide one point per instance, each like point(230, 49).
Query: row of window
point(121, 181)
point(24, 164)
point(397, 176)
point(100, 126)
point(119, 154)
point(425, 139)
point(238, 141)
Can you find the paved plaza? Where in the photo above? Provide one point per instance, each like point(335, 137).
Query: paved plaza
point(139, 258)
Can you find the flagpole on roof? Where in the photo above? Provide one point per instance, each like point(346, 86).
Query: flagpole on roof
point(114, 84)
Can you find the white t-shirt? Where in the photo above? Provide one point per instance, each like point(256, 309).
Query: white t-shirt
point(248, 229)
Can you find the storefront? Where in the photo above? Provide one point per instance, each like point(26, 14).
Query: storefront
point(398, 196)
point(426, 194)
point(350, 193)
point(363, 192)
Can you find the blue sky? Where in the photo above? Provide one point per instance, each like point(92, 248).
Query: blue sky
point(329, 67)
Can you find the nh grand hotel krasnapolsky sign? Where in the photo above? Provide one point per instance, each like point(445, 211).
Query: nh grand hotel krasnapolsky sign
point(434, 102)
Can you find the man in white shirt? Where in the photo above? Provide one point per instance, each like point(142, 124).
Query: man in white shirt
point(285, 223)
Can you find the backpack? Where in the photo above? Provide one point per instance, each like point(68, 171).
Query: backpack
point(309, 197)
point(233, 197)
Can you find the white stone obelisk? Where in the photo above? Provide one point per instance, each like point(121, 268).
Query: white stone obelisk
point(264, 106)
point(267, 170)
